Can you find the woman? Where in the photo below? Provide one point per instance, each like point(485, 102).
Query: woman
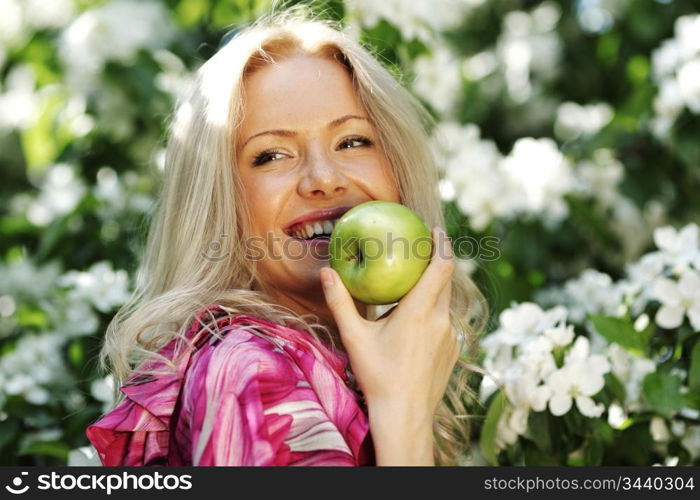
point(256, 354)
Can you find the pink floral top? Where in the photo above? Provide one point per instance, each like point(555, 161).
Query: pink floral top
point(261, 395)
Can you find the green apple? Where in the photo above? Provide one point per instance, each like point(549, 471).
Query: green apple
point(380, 250)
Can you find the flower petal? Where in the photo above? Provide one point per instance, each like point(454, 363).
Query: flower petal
point(669, 317)
point(579, 350)
point(591, 383)
point(540, 398)
point(689, 284)
point(518, 420)
point(664, 237)
point(559, 404)
point(694, 317)
point(688, 237)
point(559, 380)
point(599, 363)
point(666, 292)
point(588, 407)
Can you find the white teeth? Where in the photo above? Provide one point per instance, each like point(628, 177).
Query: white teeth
point(324, 227)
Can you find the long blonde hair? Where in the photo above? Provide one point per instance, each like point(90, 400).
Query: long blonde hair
point(201, 202)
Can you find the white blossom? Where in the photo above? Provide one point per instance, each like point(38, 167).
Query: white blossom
point(537, 356)
point(100, 285)
point(592, 292)
point(561, 335)
point(13, 24)
point(103, 390)
point(578, 380)
point(438, 78)
point(462, 157)
point(689, 84)
point(42, 14)
point(678, 248)
point(678, 299)
point(529, 46)
point(617, 417)
point(525, 393)
point(32, 367)
point(85, 456)
point(60, 192)
point(659, 430)
point(114, 31)
point(19, 103)
point(600, 176)
point(676, 69)
point(24, 281)
point(641, 275)
point(691, 441)
point(542, 174)
point(520, 343)
point(630, 370)
point(174, 78)
point(505, 434)
point(419, 20)
point(575, 120)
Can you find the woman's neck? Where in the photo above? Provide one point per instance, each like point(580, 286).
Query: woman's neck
point(313, 303)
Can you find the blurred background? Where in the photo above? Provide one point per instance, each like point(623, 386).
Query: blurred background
point(567, 130)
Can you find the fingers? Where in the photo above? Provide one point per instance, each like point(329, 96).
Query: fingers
point(443, 300)
point(339, 301)
point(435, 283)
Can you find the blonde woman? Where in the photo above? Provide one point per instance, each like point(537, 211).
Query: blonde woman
point(241, 346)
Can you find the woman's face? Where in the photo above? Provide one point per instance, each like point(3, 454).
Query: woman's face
point(306, 152)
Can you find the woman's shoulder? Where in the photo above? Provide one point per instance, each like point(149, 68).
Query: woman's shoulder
point(241, 343)
point(257, 363)
point(241, 356)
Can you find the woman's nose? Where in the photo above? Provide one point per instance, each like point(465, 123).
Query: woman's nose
point(322, 177)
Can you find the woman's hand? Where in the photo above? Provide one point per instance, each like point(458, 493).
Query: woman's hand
point(402, 362)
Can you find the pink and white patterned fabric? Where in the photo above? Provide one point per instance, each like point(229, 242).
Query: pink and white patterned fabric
point(264, 395)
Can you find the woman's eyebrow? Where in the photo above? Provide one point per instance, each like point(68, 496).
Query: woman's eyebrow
point(288, 133)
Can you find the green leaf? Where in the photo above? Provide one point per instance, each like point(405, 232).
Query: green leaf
point(536, 456)
point(694, 371)
point(663, 392)
point(76, 353)
point(593, 452)
point(191, 12)
point(576, 423)
point(50, 448)
point(620, 331)
point(601, 429)
point(691, 400)
point(490, 429)
point(538, 427)
point(616, 388)
point(9, 429)
point(46, 139)
point(31, 317)
point(676, 449)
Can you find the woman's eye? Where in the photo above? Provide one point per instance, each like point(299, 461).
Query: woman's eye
point(266, 156)
point(354, 142)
